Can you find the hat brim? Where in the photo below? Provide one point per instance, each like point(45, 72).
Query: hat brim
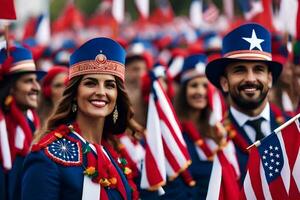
point(215, 69)
point(39, 74)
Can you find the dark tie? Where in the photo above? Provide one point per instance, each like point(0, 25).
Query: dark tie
point(256, 125)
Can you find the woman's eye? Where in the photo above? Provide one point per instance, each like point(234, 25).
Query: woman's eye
point(89, 83)
point(111, 85)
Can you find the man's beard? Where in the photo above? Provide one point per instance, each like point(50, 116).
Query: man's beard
point(249, 104)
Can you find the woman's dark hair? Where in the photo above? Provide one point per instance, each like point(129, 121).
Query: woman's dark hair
point(63, 113)
point(183, 110)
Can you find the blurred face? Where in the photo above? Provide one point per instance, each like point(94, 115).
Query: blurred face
point(196, 92)
point(97, 95)
point(58, 86)
point(247, 83)
point(25, 91)
point(135, 70)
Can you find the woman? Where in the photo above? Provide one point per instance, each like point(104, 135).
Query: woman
point(68, 160)
point(18, 99)
point(53, 85)
point(204, 136)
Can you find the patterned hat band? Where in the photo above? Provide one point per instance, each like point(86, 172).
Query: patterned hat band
point(24, 65)
point(97, 66)
point(249, 55)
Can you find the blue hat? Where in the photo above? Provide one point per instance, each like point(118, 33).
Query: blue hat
point(98, 55)
point(19, 61)
point(193, 66)
point(249, 42)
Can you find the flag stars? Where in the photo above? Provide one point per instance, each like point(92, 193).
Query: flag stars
point(271, 154)
point(266, 151)
point(254, 41)
point(277, 163)
point(270, 174)
point(270, 147)
point(264, 157)
point(276, 148)
point(276, 170)
point(277, 155)
point(272, 160)
point(266, 164)
point(270, 168)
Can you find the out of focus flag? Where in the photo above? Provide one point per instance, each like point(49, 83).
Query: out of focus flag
point(166, 154)
point(7, 9)
point(273, 167)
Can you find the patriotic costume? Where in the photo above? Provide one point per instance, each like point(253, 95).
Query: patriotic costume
point(63, 164)
point(20, 125)
point(203, 150)
point(247, 43)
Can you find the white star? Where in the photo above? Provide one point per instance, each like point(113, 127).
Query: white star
point(254, 41)
point(276, 148)
point(270, 174)
point(266, 151)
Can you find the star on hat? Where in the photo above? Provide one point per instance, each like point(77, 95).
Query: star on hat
point(254, 41)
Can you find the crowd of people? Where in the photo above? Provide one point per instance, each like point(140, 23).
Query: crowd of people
point(66, 133)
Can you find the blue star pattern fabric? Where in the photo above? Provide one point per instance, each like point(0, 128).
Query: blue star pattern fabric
point(272, 157)
point(65, 151)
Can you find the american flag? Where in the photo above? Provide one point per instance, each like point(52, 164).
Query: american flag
point(210, 13)
point(166, 153)
point(273, 167)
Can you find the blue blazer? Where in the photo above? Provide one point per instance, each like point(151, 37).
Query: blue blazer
point(45, 178)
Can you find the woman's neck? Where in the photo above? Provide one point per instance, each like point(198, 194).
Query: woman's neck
point(91, 128)
point(194, 115)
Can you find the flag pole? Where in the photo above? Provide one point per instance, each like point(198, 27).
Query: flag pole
point(6, 35)
point(258, 142)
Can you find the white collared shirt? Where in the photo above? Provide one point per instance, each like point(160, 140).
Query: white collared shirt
point(242, 118)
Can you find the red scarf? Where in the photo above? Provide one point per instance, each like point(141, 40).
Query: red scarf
point(125, 163)
point(101, 169)
point(15, 119)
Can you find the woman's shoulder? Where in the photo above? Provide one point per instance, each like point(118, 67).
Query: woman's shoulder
point(61, 146)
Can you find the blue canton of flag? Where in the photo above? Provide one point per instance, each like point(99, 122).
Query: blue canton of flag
point(272, 157)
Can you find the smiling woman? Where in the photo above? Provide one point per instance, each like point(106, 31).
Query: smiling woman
point(69, 149)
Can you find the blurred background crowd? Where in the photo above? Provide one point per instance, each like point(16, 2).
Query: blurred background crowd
point(162, 38)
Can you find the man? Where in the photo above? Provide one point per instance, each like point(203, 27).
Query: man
point(246, 73)
point(138, 61)
point(18, 99)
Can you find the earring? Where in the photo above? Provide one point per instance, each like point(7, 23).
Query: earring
point(115, 114)
point(74, 107)
point(8, 100)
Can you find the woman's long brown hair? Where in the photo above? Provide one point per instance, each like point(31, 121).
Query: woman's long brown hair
point(183, 109)
point(63, 112)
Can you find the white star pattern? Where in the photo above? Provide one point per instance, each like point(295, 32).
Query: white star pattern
point(65, 150)
point(254, 41)
point(272, 161)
